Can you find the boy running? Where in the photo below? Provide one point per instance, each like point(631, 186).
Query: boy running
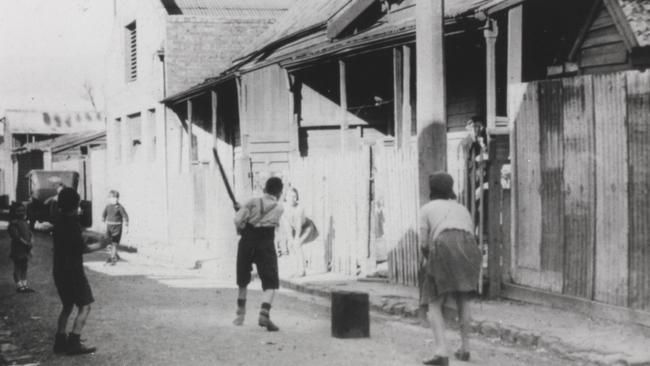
point(114, 216)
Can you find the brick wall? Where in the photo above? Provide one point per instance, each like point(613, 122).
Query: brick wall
point(198, 47)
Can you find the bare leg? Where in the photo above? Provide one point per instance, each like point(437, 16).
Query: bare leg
point(114, 251)
point(300, 260)
point(17, 279)
point(464, 318)
point(63, 319)
point(438, 326)
point(268, 296)
point(80, 320)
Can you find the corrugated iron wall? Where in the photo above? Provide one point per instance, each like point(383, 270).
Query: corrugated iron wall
point(582, 185)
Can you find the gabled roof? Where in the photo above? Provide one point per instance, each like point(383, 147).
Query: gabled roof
point(63, 142)
point(631, 18)
point(637, 14)
point(227, 8)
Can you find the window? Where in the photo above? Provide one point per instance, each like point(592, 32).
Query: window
point(131, 52)
point(133, 132)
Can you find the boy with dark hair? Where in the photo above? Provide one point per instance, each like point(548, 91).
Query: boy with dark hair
point(257, 220)
point(114, 216)
point(69, 276)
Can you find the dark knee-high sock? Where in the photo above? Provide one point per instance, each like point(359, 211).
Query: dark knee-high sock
point(265, 310)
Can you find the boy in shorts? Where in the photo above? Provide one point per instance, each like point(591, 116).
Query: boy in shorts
point(257, 220)
point(115, 217)
point(69, 276)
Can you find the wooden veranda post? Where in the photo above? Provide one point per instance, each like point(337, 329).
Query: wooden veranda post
point(431, 96)
point(190, 145)
point(344, 103)
point(491, 33)
point(214, 107)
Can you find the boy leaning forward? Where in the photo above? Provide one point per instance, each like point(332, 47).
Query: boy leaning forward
point(257, 220)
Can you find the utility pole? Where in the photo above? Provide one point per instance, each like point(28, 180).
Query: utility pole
point(431, 94)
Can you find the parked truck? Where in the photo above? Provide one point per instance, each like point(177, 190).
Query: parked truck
point(43, 186)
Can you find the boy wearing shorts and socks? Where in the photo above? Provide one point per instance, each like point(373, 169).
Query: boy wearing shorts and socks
point(114, 216)
point(257, 220)
point(69, 276)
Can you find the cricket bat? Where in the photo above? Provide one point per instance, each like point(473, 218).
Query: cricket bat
point(235, 204)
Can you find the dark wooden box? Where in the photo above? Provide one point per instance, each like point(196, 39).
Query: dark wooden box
point(350, 314)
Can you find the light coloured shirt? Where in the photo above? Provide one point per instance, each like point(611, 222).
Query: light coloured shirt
point(294, 218)
point(260, 212)
point(439, 215)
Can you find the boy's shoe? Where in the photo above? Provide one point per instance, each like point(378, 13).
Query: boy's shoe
point(60, 343)
point(438, 360)
point(27, 290)
point(76, 347)
point(20, 289)
point(462, 355)
point(239, 320)
point(265, 322)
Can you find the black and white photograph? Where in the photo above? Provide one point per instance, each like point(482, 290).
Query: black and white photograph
point(324, 182)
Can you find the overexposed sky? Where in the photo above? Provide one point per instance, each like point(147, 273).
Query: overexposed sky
point(49, 49)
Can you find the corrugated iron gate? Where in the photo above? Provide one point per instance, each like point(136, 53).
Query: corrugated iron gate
point(581, 187)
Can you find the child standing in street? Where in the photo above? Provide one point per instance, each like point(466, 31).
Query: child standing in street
point(257, 220)
point(115, 217)
point(69, 275)
point(21, 245)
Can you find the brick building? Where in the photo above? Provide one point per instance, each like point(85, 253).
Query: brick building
point(158, 48)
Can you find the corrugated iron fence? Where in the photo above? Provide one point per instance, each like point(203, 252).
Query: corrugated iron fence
point(582, 187)
point(396, 196)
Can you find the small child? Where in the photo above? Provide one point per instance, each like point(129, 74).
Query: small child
point(21, 245)
point(69, 275)
point(114, 216)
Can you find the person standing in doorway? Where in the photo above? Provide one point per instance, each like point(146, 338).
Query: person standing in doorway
point(117, 222)
point(257, 221)
point(452, 266)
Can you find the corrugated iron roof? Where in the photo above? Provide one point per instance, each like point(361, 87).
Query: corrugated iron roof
point(62, 142)
point(637, 13)
point(228, 8)
point(307, 14)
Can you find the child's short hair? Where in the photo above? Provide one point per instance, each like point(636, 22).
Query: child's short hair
point(68, 200)
point(13, 210)
point(113, 193)
point(273, 186)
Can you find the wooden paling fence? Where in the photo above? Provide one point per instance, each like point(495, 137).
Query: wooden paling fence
point(582, 172)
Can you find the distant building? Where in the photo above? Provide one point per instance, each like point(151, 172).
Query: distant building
point(21, 127)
